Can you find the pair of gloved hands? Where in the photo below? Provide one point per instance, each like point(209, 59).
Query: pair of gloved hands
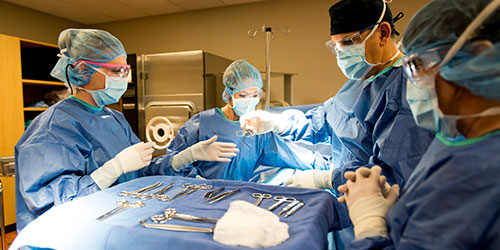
point(368, 196)
point(139, 155)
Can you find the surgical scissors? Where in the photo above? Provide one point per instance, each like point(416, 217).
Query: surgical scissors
point(171, 213)
point(244, 133)
point(260, 197)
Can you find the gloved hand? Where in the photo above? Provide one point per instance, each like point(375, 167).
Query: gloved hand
point(260, 122)
point(130, 159)
point(367, 203)
point(208, 150)
point(320, 179)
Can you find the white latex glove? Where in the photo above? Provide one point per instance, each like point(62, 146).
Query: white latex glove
point(130, 159)
point(260, 122)
point(368, 201)
point(321, 179)
point(208, 150)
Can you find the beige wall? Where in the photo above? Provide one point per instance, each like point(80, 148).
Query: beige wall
point(223, 31)
point(25, 23)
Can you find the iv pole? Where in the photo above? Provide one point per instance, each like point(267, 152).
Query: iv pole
point(269, 36)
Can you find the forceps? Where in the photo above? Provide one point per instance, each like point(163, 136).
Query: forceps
point(280, 200)
point(209, 194)
point(221, 196)
point(260, 197)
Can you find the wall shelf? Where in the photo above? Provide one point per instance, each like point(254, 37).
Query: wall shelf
point(35, 109)
point(41, 82)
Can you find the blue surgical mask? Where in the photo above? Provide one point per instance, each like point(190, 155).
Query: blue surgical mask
point(425, 109)
point(115, 88)
point(242, 106)
point(351, 60)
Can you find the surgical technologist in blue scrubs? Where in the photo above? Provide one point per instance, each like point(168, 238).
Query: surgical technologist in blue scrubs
point(78, 146)
point(208, 144)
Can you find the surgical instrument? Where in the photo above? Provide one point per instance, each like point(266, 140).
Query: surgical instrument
point(280, 200)
point(122, 205)
point(260, 197)
point(209, 194)
point(176, 227)
point(290, 206)
point(171, 213)
point(190, 188)
point(294, 209)
point(135, 193)
point(157, 195)
point(222, 196)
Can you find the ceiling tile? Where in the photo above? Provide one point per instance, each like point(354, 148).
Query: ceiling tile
point(153, 7)
point(234, 2)
point(197, 4)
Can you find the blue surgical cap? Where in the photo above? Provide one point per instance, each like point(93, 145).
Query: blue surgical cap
point(240, 75)
point(440, 23)
point(84, 44)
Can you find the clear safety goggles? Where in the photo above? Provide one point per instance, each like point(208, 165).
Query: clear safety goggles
point(116, 70)
point(421, 65)
point(355, 38)
point(243, 94)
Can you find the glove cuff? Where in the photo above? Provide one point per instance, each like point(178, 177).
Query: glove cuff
point(368, 216)
point(183, 158)
point(107, 173)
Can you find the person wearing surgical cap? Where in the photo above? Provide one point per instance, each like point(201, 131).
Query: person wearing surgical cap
point(210, 144)
point(78, 146)
point(452, 199)
point(369, 120)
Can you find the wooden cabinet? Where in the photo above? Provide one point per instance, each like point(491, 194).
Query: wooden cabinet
point(25, 68)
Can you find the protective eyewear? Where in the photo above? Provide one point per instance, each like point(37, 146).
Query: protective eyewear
point(420, 65)
point(243, 94)
point(117, 70)
point(355, 38)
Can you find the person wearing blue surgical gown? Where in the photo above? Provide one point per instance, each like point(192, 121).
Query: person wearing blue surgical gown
point(242, 92)
point(78, 146)
point(369, 120)
point(451, 201)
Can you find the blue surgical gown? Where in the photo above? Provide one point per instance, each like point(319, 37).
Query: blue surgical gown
point(451, 201)
point(367, 122)
point(266, 150)
point(61, 148)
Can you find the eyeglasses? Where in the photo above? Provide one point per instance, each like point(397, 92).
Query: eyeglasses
point(419, 65)
point(247, 95)
point(355, 38)
point(117, 70)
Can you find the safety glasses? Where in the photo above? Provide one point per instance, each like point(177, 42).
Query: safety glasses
point(355, 38)
point(420, 65)
point(116, 70)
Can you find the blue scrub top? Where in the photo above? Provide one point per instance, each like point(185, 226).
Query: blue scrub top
point(261, 150)
point(368, 122)
point(61, 148)
point(451, 201)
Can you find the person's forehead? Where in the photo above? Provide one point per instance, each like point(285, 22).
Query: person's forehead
point(249, 90)
point(119, 60)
